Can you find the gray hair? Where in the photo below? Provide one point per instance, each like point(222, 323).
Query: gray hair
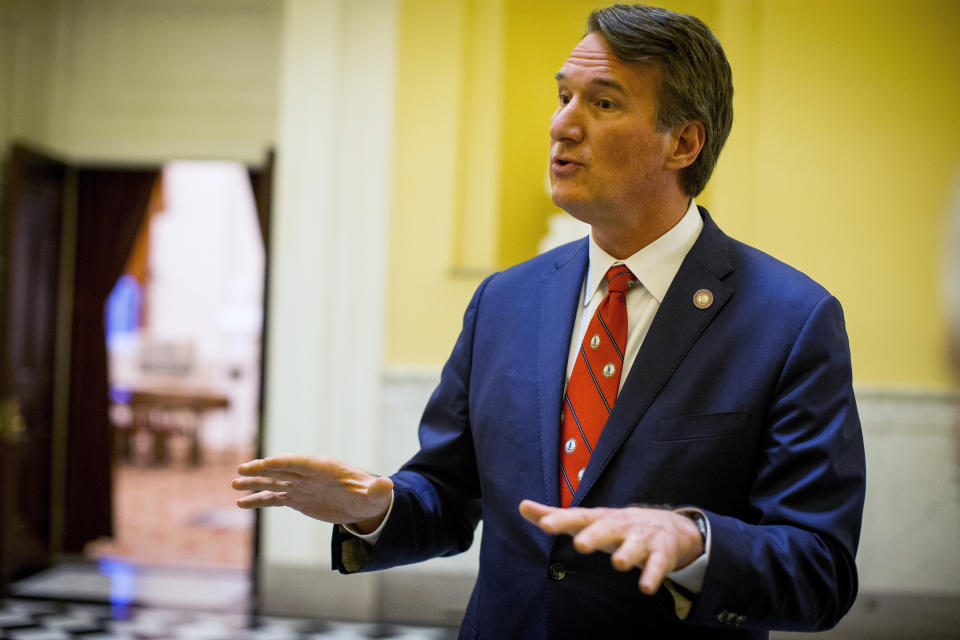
point(695, 80)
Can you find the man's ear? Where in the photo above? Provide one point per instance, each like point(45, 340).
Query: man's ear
point(688, 139)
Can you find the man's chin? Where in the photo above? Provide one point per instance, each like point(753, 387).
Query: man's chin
point(575, 207)
point(566, 201)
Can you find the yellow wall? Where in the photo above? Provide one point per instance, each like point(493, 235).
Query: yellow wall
point(841, 161)
point(857, 141)
point(425, 298)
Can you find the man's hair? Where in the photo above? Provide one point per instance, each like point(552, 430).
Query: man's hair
point(695, 79)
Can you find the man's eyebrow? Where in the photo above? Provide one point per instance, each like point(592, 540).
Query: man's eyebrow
point(603, 82)
point(607, 82)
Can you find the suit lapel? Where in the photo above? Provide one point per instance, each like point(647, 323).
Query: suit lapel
point(676, 327)
point(560, 293)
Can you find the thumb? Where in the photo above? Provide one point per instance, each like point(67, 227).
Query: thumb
point(534, 511)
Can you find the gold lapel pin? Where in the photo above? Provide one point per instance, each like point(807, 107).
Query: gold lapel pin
point(702, 299)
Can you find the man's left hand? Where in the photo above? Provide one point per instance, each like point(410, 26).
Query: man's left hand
point(656, 540)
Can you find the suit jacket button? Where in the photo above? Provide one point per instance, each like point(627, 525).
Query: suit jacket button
point(725, 617)
point(557, 571)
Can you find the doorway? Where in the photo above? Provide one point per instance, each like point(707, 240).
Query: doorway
point(184, 327)
point(184, 339)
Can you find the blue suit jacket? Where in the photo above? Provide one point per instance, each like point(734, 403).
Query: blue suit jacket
point(744, 409)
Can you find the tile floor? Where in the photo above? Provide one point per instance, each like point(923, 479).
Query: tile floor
point(27, 619)
point(151, 586)
point(177, 569)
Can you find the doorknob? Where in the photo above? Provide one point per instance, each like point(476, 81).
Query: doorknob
point(13, 428)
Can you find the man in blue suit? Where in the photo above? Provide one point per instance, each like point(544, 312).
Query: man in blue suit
point(722, 493)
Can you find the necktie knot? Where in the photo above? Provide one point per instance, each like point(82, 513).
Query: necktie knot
point(619, 278)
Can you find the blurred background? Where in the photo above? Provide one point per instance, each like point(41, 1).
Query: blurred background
point(243, 226)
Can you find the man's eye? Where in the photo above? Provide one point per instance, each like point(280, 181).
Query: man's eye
point(564, 99)
point(605, 104)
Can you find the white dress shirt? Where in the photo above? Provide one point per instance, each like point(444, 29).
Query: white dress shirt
point(654, 266)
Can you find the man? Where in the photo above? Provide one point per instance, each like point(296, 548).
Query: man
point(657, 362)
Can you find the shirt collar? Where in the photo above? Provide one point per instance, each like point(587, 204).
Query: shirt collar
point(655, 265)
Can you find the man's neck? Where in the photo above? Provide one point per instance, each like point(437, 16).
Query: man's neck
point(623, 240)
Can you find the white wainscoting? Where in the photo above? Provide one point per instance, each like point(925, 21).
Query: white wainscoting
point(911, 521)
point(908, 559)
point(912, 516)
point(163, 79)
point(141, 81)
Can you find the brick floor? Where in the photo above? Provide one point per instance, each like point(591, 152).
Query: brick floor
point(179, 515)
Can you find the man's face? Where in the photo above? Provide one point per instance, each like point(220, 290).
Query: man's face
point(606, 156)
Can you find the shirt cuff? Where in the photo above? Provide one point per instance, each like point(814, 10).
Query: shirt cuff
point(691, 576)
point(372, 537)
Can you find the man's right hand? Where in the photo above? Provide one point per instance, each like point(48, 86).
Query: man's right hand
point(320, 487)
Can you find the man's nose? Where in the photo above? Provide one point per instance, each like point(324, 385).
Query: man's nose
point(566, 123)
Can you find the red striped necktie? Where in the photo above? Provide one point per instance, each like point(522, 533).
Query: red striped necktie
point(594, 382)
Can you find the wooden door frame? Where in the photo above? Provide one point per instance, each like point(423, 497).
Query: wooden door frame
point(31, 162)
point(63, 356)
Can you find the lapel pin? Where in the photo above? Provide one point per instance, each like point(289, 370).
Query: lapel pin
point(702, 299)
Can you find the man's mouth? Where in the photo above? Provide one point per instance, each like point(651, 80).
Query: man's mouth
point(559, 160)
point(564, 166)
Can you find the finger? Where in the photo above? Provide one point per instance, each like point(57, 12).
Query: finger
point(632, 553)
point(251, 468)
point(259, 468)
point(657, 565)
point(263, 499)
point(534, 511)
point(255, 468)
point(291, 463)
point(569, 521)
point(302, 464)
point(604, 534)
point(260, 484)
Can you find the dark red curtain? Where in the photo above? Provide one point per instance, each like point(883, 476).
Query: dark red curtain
point(111, 206)
point(261, 181)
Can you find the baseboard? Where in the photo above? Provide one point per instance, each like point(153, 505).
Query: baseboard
point(402, 595)
point(893, 616)
point(317, 592)
point(415, 596)
point(421, 597)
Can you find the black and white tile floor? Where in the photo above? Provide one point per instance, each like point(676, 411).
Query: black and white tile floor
point(27, 619)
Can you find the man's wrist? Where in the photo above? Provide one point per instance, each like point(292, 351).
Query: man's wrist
point(693, 541)
point(700, 521)
point(367, 527)
point(371, 536)
point(691, 575)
